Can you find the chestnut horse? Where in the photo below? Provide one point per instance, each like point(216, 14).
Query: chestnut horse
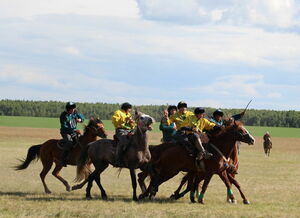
point(103, 152)
point(50, 151)
point(176, 159)
point(231, 172)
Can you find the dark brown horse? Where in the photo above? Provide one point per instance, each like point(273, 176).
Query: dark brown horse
point(176, 159)
point(50, 151)
point(103, 152)
point(267, 144)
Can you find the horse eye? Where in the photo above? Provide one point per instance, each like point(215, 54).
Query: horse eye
point(142, 118)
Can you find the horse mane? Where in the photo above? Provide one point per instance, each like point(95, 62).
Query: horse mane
point(229, 125)
point(92, 122)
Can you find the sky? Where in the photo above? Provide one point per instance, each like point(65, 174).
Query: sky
point(209, 53)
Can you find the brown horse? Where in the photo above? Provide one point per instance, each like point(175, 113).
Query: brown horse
point(50, 151)
point(267, 145)
point(103, 152)
point(190, 178)
point(176, 159)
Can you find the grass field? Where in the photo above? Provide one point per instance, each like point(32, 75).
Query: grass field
point(271, 184)
point(44, 122)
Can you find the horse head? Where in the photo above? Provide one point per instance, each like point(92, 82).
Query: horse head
point(144, 122)
point(96, 127)
point(241, 133)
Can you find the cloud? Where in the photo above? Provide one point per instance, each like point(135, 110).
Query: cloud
point(30, 8)
point(276, 13)
point(71, 50)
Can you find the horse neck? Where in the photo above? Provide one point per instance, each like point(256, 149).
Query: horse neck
point(87, 137)
point(225, 142)
point(140, 140)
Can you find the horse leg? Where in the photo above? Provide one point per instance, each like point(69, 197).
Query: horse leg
point(224, 177)
point(47, 164)
point(79, 186)
point(90, 184)
point(134, 183)
point(55, 173)
point(97, 179)
point(193, 186)
point(177, 193)
point(238, 186)
point(141, 179)
point(204, 187)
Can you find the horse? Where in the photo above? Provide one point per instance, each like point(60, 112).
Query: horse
point(103, 152)
point(50, 151)
point(267, 146)
point(176, 159)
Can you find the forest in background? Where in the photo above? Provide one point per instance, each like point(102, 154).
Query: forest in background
point(104, 111)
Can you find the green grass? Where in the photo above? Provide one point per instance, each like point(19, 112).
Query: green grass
point(45, 122)
point(271, 184)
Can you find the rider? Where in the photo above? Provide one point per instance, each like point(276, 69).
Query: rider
point(68, 121)
point(124, 124)
point(218, 117)
point(192, 127)
point(169, 131)
point(180, 116)
point(267, 136)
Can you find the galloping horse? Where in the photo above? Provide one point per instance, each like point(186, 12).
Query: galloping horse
point(50, 151)
point(176, 159)
point(267, 145)
point(103, 152)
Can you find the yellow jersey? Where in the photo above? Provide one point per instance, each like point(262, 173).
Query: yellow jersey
point(179, 118)
point(120, 119)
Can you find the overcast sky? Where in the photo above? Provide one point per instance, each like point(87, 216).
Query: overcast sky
point(217, 53)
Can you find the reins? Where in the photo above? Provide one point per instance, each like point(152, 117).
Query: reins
point(221, 154)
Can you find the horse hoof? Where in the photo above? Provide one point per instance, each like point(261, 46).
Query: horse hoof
point(104, 197)
point(232, 201)
point(201, 201)
point(193, 201)
point(88, 197)
point(172, 197)
point(48, 192)
point(135, 198)
point(246, 202)
point(68, 188)
point(75, 187)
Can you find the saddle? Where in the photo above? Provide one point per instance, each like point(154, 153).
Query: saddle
point(60, 143)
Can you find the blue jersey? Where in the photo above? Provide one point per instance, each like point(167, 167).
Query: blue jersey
point(68, 122)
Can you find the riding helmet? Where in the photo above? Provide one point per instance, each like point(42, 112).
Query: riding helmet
point(70, 105)
point(199, 110)
point(125, 106)
point(218, 112)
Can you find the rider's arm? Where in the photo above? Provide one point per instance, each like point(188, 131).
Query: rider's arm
point(80, 116)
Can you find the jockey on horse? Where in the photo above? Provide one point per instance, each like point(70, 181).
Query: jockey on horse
point(124, 124)
point(218, 119)
point(168, 131)
point(68, 121)
point(180, 116)
point(190, 130)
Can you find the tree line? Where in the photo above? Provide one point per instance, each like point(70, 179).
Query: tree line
point(105, 111)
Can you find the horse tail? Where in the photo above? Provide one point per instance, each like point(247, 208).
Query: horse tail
point(32, 154)
point(83, 169)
